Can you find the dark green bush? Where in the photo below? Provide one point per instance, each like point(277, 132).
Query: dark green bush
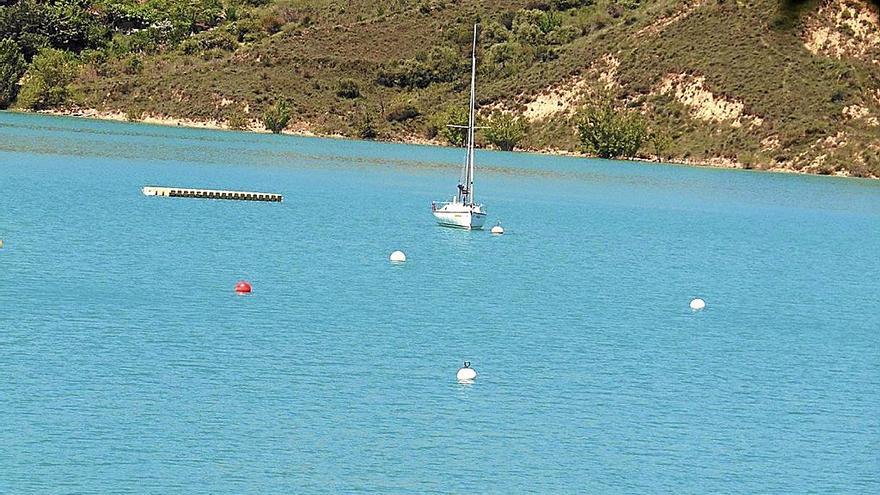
point(366, 129)
point(504, 56)
point(134, 65)
point(247, 29)
point(439, 126)
point(126, 18)
point(571, 4)
point(610, 133)
point(237, 120)
point(12, 66)
point(67, 25)
point(402, 113)
point(347, 88)
point(46, 83)
point(660, 140)
point(215, 39)
point(505, 130)
point(441, 64)
point(134, 113)
point(77, 25)
point(276, 117)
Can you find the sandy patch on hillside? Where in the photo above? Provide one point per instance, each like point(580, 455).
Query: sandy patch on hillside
point(704, 105)
point(842, 28)
point(770, 143)
point(567, 96)
point(606, 67)
point(561, 98)
point(662, 23)
point(859, 112)
point(820, 151)
point(831, 142)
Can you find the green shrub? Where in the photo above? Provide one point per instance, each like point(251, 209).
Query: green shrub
point(536, 27)
point(590, 20)
point(749, 160)
point(134, 113)
point(246, 29)
point(134, 65)
point(790, 12)
point(610, 133)
point(660, 141)
point(549, 21)
point(493, 32)
point(46, 83)
point(215, 39)
point(570, 4)
point(506, 55)
point(146, 41)
point(271, 22)
point(276, 117)
point(526, 27)
point(348, 88)
point(505, 131)
point(188, 17)
point(563, 35)
point(237, 120)
point(441, 64)
point(12, 66)
point(366, 129)
point(402, 113)
point(439, 126)
point(67, 25)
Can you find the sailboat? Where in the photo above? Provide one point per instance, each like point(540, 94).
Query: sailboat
point(463, 211)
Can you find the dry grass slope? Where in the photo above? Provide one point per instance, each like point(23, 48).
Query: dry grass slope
point(755, 83)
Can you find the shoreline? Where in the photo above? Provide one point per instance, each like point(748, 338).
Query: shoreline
point(302, 129)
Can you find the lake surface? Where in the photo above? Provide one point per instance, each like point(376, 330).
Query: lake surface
point(129, 365)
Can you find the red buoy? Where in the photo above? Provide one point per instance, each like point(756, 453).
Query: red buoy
point(243, 287)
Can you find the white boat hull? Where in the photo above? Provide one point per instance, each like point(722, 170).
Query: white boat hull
point(463, 218)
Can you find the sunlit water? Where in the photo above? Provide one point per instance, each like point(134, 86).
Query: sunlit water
point(128, 364)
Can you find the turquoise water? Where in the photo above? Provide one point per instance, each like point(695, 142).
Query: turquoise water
point(128, 365)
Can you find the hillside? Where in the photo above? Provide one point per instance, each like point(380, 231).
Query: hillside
point(763, 84)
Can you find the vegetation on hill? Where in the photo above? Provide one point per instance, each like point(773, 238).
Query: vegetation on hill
point(787, 84)
point(609, 132)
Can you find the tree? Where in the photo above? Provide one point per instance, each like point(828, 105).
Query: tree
point(64, 24)
point(276, 117)
point(365, 127)
point(660, 141)
point(506, 131)
point(454, 116)
point(12, 66)
point(610, 133)
point(47, 82)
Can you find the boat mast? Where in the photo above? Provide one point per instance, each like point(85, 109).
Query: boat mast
point(469, 175)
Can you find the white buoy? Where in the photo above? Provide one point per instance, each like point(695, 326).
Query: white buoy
point(698, 304)
point(466, 373)
point(497, 229)
point(397, 257)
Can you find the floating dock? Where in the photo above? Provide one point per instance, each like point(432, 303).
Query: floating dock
point(185, 192)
